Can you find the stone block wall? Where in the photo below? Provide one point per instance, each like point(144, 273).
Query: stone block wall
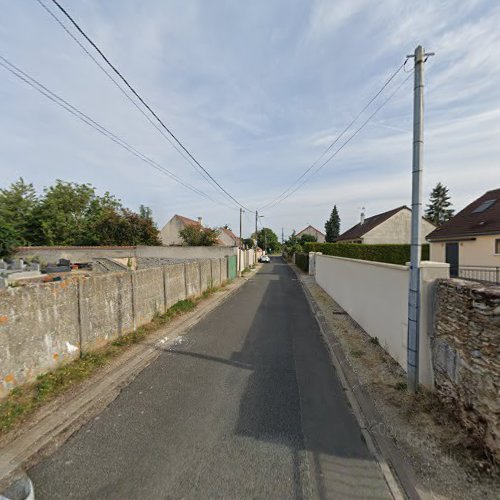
point(466, 356)
point(47, 324)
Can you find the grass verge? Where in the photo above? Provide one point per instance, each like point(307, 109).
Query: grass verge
point(24, 400)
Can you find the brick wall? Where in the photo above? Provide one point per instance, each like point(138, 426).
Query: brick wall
point(466, 356)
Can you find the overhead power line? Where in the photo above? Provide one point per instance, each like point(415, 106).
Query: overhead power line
point(121, 89)
point(284, 194)
point(145, 104)
point(52, 96)
point(347, 141)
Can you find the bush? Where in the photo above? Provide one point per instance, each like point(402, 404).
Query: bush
point(391, 254)
point(302, 261)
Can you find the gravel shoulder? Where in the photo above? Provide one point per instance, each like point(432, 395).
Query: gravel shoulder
point(442, 459)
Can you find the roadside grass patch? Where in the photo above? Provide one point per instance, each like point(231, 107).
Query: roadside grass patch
point(24, 400)
point(357, 353)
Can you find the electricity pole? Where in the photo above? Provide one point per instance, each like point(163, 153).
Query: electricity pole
point(416, 224)
point(256, 219)
point(241, 217)
point(241, 240)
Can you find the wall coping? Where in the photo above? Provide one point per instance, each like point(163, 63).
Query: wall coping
point(368, 262)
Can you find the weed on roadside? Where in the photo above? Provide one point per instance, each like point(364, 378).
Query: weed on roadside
point(24, 400)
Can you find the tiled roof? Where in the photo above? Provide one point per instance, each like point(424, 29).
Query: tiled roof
point(359, 230)
point(482, 216)
point(312, 227)
point(187, 221)
point(229, 233)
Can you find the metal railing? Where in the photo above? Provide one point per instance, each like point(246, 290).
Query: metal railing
point(488, 274)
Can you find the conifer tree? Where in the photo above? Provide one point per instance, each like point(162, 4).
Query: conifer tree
point(332, 226)
point(439, 208)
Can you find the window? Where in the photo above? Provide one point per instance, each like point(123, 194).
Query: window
point(484, 206)
point(497, 246)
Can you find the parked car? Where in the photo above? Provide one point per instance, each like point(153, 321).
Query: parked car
point(264, 258)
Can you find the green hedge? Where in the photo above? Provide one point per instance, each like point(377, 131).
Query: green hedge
point(302, 261)
point(392, 254)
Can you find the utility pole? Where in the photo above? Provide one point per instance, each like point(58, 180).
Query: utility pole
point(416, 224)
point(241, 240)
point(256, 219)
point(282, 236)
point(241, 217)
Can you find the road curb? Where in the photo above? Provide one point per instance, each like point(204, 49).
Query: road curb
point(62, 417)
point(398, 476)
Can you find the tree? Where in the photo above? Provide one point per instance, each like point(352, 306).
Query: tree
point(268, 240)
point(438, 210)
point(198, 236)
point(124, 227)
point(68, 213)
point(17, 206)
point(332, 226)
point(248, 242)
point(307, 238)
point(145, 212)
point(292, 244)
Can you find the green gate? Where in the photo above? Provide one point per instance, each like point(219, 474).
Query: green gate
point(231, 267)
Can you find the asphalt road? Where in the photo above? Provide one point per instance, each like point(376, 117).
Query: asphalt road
point(248, 405)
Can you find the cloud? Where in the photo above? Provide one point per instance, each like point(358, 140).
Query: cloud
point(256, 91)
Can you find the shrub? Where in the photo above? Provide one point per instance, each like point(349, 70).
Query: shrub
point(302, 261)
point(391, 254)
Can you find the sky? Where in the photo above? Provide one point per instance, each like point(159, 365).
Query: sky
point(256, 91)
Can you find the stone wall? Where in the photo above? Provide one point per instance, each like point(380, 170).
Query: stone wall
point(44, 325)
point(466, 356)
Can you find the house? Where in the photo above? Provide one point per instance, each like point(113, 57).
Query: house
point(471, 237)
point(392, 227)
point(312, 231)
point(227, 238)
point(169, 234)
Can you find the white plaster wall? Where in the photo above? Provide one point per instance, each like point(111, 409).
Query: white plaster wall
point(375, 295)
point(478, 252)
point(396, 230)
point(311, 231)
point(169, 234)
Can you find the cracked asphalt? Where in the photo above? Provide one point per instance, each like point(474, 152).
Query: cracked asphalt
point(246, 405)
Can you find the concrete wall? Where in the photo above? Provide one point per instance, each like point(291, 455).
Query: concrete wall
point(87, 254)
point(223, 270)
point(192, 270)
point(477, 252)
point(375, 295)
point(205, 274)
point(396, 229)
point(47, 324)
point(216, 271)
point(106, 308)
point(39, 329)
point(175, 284)
point(466, 352)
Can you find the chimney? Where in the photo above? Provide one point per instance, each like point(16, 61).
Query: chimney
point(200, 220)
point(362, 219)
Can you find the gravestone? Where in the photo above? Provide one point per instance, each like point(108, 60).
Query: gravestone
point(3, 264)
point(3, 283)
point(18, 264)
point(34, 266)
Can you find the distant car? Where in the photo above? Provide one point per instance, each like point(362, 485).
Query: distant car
point(265, 258)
